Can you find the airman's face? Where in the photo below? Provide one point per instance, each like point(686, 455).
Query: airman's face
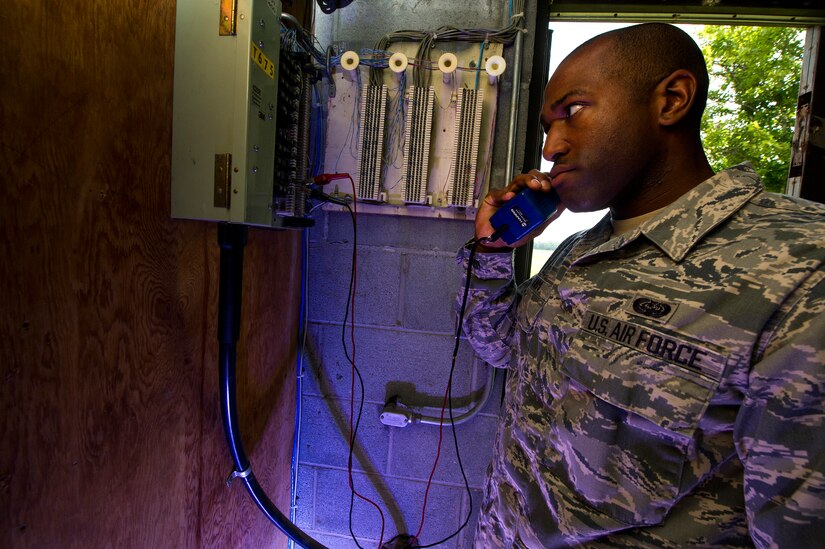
point(600, 137)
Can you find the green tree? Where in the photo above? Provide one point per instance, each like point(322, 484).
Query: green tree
point(754, 83)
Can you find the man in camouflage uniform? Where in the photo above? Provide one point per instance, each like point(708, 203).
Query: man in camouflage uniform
point(667, 367)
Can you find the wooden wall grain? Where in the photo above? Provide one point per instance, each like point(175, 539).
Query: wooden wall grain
point(111, 429)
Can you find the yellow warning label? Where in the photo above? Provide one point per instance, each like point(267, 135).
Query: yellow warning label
point(263, 61)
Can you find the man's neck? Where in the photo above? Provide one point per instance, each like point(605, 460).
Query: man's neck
point(664, 185)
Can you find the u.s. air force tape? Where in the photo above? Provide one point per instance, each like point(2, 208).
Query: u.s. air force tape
point(674, 349)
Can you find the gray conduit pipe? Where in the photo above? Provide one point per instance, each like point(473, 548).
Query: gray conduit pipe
point(397, 414)
point(514, 104)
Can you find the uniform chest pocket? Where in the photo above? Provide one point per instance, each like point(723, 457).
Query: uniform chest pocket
point(625, 426)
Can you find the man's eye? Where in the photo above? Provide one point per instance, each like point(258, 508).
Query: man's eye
point(573, 109)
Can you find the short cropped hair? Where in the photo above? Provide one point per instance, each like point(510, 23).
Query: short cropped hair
point(643, 55)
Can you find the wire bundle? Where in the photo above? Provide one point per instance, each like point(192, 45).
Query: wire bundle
point(427, 40)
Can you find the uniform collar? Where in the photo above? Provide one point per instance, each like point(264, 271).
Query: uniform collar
point(680, 226)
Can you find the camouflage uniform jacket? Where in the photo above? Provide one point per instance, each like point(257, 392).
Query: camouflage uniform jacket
point(666, 386)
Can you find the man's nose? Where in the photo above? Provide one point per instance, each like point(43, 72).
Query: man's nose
point(554, 146)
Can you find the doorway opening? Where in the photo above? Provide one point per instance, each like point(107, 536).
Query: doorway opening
point(754, 83)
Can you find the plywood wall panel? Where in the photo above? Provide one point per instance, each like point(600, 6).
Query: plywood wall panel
point(111, 432)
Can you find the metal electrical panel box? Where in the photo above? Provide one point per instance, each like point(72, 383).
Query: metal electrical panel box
point(225, 100)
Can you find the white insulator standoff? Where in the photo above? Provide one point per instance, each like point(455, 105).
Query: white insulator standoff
point(447, 64)
point(349, 62)
point(495, 67)
point(398, 62)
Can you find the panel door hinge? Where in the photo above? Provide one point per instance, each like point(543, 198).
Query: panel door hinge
point(226, 26)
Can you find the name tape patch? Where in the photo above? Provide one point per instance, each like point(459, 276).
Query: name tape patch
point(674, 350)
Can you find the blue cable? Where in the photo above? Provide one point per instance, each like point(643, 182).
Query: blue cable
point(319, 135)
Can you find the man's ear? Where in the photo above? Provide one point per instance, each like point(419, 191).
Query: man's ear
point(675, 95)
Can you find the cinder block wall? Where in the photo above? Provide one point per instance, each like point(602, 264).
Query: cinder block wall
point(404, 323)
point(407, 280)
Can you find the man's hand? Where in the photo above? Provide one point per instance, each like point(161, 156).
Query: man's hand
point(496, 198)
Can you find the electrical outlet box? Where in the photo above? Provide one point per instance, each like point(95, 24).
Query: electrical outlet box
point(224, 110)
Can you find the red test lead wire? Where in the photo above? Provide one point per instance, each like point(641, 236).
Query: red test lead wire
point(323, 179)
